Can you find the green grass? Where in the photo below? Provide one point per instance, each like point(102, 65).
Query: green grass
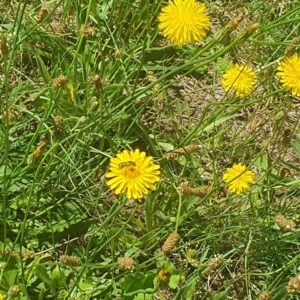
point(156, 97)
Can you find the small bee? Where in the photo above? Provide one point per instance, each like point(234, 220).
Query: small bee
point(127, 164)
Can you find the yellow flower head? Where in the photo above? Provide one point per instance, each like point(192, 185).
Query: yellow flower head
point(239, 78)
point(132, 172)
point(289, 74)
point(1, 297)
point(238, 178)
point(184, 21)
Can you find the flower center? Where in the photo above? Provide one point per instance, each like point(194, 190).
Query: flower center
point(131, 172)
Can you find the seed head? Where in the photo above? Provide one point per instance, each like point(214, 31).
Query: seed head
point(13, 115)
point(118, 53)
point(43, 13)
point(151, 77)
point(60, 81)
point(59, 126)
point(192, 257)
point(213, 264)
point(96, 80)
point(72, 261)
point(170, 243)
point(181, 151)
point(291, 50)
point(185, 190)
point(126, 263)
point(232, 25)
point(35, 157)
point(4, 51)
point(285, 223)
point(264, 296)
point(293, 285)
point(88, 31)
point(13, 292)
point(251, 28)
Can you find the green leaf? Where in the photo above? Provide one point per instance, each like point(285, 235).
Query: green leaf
point(166, 146)
point(142, 296)
point(174, 281)
point(296, 146)
point(189, 291)
point(217, 122)
point(220, 296)
point(10, 275)
point(138, 282)
point(58, 277)
point(42, 68)
point(62, 295)
point(87, 285)
point(42, 273)
point(19, 202)
point(133, 282)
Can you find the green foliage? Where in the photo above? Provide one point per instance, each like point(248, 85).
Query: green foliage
point(127, 87)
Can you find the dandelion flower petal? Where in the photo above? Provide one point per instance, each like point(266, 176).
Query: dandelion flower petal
point(238, 178)
point(133, 173)
point(184, 21)
point(289, 74)
point(239, 78)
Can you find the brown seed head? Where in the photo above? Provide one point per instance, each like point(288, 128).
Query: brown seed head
point(232, 25)
point(118, 53)
point(96, 80)
point(88, 31)
point(126, 263)
point(60, 81)
point(253, 27)
point(185, 190)
point(181, 151)
point(24, 254)
point(213, 264)
point(35, 157)
point(285, 223)
point(289, 51)
point(293, 285)
point(264, 296)
point(72, 261)
point(4, 51)
point(13, 115)
point(151, 76)
point(59, 126)
point(170, 242)
point(296, 40)
point(44, 12)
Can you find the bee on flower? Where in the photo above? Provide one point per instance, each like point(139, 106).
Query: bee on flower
point(133, 173)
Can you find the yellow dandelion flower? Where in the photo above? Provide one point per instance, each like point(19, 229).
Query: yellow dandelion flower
point(239, 78)
point(289, 74)
point(132, 172)
point(1, 297)
point(184, 21)
point(238, 178)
